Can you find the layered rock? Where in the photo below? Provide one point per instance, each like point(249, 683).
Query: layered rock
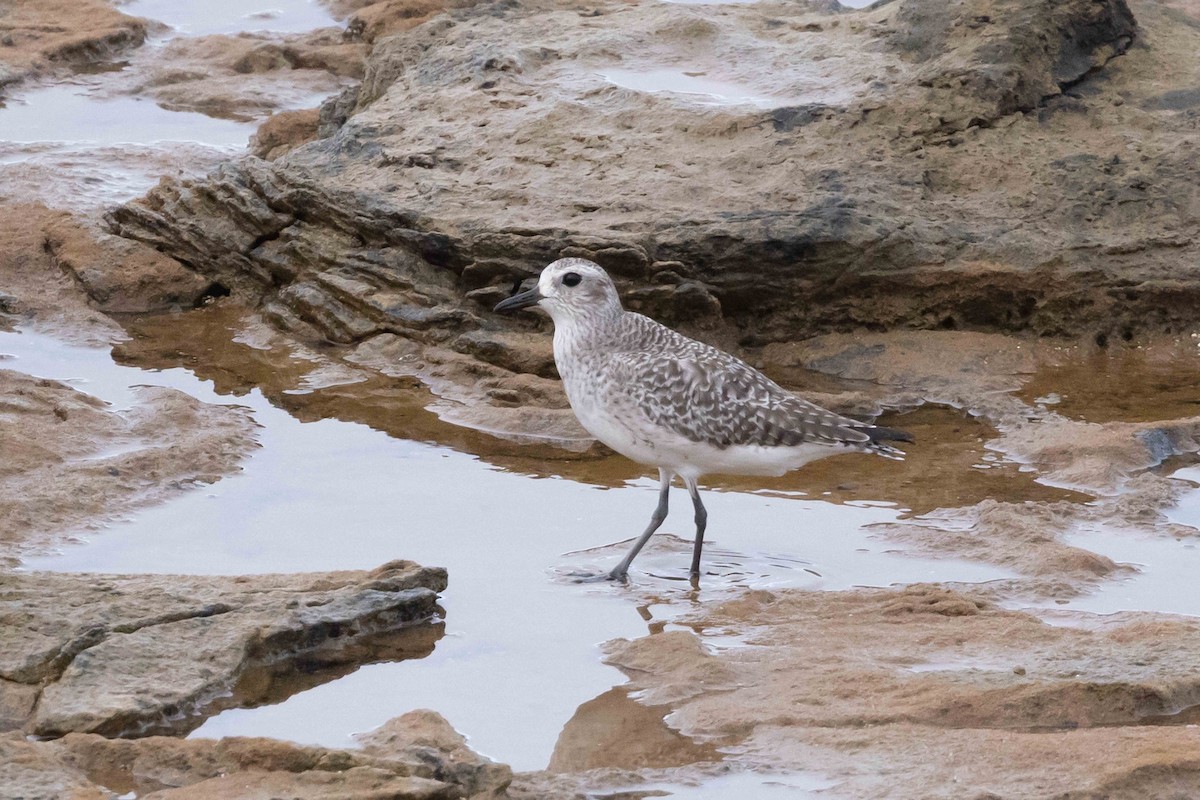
point(955, 164)
point(149, 654)
point(71, 460)
point(60, 34)
point(420, 760)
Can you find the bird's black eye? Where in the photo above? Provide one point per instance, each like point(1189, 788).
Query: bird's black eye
point(571, 279)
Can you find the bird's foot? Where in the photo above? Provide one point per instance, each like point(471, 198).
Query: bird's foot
point(591, 576)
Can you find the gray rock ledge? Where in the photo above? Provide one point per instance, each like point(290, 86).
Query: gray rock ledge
point(134, 655)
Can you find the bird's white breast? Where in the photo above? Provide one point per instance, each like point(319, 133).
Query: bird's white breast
point(605, 411)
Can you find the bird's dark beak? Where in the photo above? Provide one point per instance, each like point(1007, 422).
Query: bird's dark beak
point(519, 301)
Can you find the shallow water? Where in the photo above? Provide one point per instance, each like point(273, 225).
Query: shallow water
point(354, 472)
point(698, 87)
point(1129, 383)
point(84, 142)
point(1166, 566)
point(748, 785)
point(521, 640)
point(711, 2)
point(1165, 577)
point(1159, 380)
point(82, 177)
point(72, 146)
point(233, 16)
point(74, 113)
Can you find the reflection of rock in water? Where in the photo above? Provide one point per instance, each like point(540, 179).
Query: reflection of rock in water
point(614, 730)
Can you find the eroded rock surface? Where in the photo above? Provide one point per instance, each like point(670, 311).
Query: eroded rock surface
point(989, 689)
point(428, 736)
point(245, 76)
point(147, 654)
point(38, 37)
point(1019, 166)
point(402, 767)
point(947, 164)
point(48, 256)
point(72, 462)
point(889, 184)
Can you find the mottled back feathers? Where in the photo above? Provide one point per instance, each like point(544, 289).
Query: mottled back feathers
point(707, 395)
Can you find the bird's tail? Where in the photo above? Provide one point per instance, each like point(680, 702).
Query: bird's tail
point(880, 437)
point(878, 434)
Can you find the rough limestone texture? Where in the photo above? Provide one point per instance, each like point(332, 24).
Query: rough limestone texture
point(405, 767)
point(71, 461)
point(58, 35)
point(135, 655)
point(830, 684)
point(1017, 165)
point(428, 736)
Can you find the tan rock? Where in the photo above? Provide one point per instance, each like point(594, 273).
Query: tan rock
point(146, 654)
point(121, 276)
point(37, 37)
point(285, 131)
point(356, 783)
point(29, 771)
point(71, 461)
point(90, 767)
point(249, 75)
point(374, 20)
point(428, 736)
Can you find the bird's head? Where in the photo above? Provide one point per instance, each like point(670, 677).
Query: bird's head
point(569, 289)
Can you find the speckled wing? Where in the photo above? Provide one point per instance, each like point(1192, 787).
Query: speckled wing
point(709, 396)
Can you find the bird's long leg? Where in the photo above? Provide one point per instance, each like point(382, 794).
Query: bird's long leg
point(622, 570)
point(701, 523)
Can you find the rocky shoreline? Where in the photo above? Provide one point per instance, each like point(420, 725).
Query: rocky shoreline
point(970, 175)
point(158, 654)
point(928, 205)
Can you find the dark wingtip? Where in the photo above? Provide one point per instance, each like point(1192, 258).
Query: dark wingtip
point(880, 434)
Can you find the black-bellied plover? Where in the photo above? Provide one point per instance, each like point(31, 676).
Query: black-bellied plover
point(668, 401)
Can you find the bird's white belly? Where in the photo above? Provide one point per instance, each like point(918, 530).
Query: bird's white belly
point(634, 437)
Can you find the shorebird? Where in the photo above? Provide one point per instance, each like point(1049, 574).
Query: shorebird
point(664, 400)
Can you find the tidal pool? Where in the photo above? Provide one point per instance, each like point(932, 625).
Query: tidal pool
point(1165, 566)
point(521, 644)
point(73, 113)
point(84, 143)
point(353, 473)
point(233, 16)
